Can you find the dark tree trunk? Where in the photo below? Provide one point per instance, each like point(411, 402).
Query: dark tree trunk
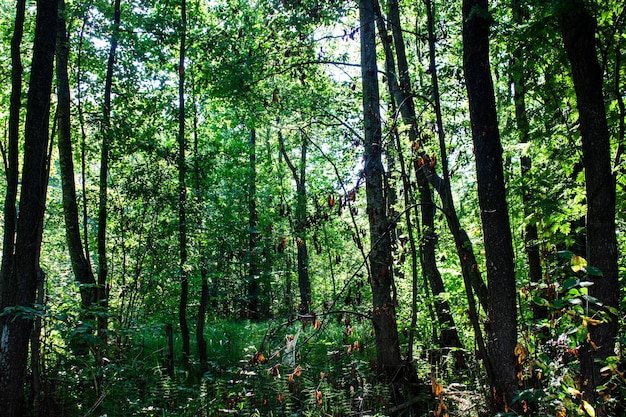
point(501, 326)
point(304, 282)
point(7, 286)
point(182, 194)
point(80, 262)
point(102, 293)
point(15, 330)
point(400, 91)
point(464, 248)
point(384, 310)
point(578, 30)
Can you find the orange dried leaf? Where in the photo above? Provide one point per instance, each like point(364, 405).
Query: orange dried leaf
point(318, 396)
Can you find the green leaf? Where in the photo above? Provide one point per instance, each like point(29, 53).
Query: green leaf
point(565, 254)
point(570, 283)
point(541, 301)
point(592, 270)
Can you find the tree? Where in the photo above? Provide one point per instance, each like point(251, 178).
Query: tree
point(12, 152)
point(17, 306)
point(102, 288)
point(384, 310)
point(304, 283)
point(79, 259)
point(578, 30)
point(501, 327)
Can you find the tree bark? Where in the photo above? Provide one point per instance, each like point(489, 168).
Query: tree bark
point(15, 328)
point(80, 262)
point(463, 244)
point(304, 282)
point(578, 31)
point(7, 287)
point(384, 310)
point(400, 91)
point(501, 327)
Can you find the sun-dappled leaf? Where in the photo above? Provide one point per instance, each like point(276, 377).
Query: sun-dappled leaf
point(578, 263)
point(589, 409)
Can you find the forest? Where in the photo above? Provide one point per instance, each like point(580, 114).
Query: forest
point(313, 208)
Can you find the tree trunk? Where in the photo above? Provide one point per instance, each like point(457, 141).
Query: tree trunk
point(501, 326)
point(80, 262)
point(401, 92)
point(578, 30)
point(182, 193)
point(15, 329)
point(304, 282)
point(464, 247)
point(12, 166)
point(103, 268)
point(384, 310)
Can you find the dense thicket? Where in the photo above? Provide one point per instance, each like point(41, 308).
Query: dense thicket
point(359, 208)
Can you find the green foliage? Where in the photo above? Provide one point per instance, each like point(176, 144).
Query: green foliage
point(292, 67)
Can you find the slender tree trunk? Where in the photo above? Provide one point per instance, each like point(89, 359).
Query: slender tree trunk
point(501, 326)
point(80, 264)
point(463, 244)
point(578, 30)
point(15, 330)
point(304, 282)
point(103, 268)
point(400, 90)
point(384, 310)
point(7, 287)
point(182, 192)
point(472, 279)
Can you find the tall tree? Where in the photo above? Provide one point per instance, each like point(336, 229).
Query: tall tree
point(299, 176)
point(384, 310)
point(501, 328)
point(182, 190)
point(464, 247)
point(578, 28)
point(103, 268)
point(15, 324)
point(79, 259)
point(12, 152)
